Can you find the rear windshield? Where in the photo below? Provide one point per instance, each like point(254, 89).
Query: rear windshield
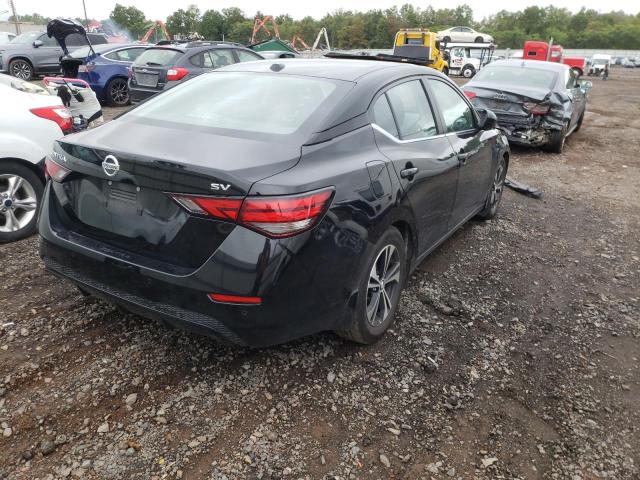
point(158, 57)
point(83, 52)
point(522, 76)
point(247, 102)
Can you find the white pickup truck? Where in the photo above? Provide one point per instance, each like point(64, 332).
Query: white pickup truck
point(465, 59)
point(599, 62)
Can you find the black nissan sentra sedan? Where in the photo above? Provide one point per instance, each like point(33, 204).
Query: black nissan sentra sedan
point(270, 200)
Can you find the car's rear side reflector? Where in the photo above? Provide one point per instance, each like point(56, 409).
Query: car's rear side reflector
point(235, 299)
point(275, 217)
point(55, 171)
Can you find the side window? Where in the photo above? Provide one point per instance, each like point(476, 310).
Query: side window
point(571, 79)
point(129, 54)
point(457, 114)
point(383, 117)
point(48, 42)
point(247, 56)
point(201, 60)
point(412, 111)
point(221, 57)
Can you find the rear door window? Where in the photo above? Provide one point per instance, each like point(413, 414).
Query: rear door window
point(412, 111)
point(127, 55)
point(383, 117)
point(456, 112)
point(221, 57)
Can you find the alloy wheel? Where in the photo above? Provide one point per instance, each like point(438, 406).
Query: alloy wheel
point(21, 69)
point(498, 185)
point(384, 283)
point(18, 203)
point(119, 92)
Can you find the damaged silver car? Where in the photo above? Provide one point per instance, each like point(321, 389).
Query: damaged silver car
point(537, 103)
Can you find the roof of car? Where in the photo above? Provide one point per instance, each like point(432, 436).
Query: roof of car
point(540, 65)
point(184, 46)
point(336, 69)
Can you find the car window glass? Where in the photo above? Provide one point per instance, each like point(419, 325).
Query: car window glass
point(129, 54)
point(201, 60)
point(412, 111)
point(247, 56)
point(221, 57)
point(571, 79)
point(383, 117)
point(48, 42)
point(456, 112)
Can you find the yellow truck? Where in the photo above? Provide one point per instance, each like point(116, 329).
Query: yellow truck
point(421, 44)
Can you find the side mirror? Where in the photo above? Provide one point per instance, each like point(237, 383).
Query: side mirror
point(487, 119)
point(37, 43)
point(586, 85)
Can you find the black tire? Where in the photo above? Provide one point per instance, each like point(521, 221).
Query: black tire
point(556, 142)
point(10, 213)
point(494, 196)
point(117, 93)
point(446, 39)
point(479, 40)
point(367, 329)
point(20, 68)
point(468, 71)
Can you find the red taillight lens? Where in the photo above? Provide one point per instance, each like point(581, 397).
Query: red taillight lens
point(218, 207)
point(59, 114)
point(176, 73)
point(235, 299)
point(87, 68)
point(536, 109)
point(284, 216)
point(55, 171)
point(469, 95)
point(276, 217)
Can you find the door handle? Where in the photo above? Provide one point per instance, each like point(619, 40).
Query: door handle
point(408, 172)
point(462, 157)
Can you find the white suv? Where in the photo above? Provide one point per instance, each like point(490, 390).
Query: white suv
point(31, 121)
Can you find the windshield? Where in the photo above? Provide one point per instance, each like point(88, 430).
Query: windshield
point(83, 52)
point(246, 102)
point(28, 37)
point(600, 61)
point(159, 57)
point(518, 76)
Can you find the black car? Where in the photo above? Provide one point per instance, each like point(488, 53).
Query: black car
point(270, 200)
point(537, 103)
point(164, 66)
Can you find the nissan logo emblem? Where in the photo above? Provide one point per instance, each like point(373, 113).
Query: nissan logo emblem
point(110, 165)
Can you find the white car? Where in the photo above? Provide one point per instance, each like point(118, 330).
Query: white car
point(463, 34)
point(31, 121)
point(6, 37)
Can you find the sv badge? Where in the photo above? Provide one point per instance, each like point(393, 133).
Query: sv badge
point(220, 186)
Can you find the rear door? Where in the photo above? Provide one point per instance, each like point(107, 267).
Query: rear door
point(578, 97)
point(47, 56)
point(150, 68)
point(407, 133)
point(472, 146)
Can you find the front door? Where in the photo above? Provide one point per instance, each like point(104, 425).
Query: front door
point(472, 146)
point(407, 133)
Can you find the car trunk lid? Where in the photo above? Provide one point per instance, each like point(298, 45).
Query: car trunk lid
point(124, 200)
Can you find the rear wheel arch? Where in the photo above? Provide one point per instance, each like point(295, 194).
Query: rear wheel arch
point(35, 168)
point(408, 235)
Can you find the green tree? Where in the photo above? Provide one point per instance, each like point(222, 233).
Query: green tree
point(130, 19)
point(184, 22)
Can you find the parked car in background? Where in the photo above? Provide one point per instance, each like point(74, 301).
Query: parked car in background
point(105, 68)
point(599, 62)
point(6, 37)
point(216, 204)
point(35, 53)
point(463, 34)
point(537, 103)
point(31, 121)
point(164, 66)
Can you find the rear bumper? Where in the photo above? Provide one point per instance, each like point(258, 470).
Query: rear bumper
point(303, 291)
point(138, 94)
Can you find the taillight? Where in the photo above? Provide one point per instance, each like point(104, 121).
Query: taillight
point(87, 68)
point(59, 114)
point(54, 170)
point(469, 95)
point(275, 217)
point(536, 109)
point(176, 73)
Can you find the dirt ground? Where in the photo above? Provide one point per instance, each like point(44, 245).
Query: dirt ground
point(515, 354)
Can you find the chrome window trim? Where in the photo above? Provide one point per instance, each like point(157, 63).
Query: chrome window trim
point(397, 140)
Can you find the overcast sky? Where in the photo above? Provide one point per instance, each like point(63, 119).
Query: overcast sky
point(159, 9)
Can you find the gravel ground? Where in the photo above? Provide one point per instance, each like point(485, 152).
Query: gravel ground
point(515, 355)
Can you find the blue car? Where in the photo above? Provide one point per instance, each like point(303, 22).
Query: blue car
point(105, 69)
